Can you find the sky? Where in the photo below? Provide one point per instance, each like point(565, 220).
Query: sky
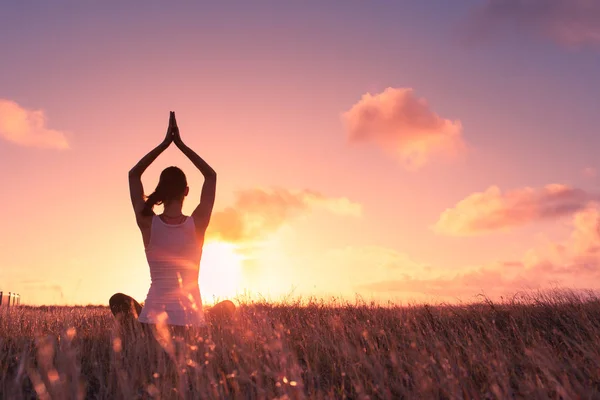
point(386, 150)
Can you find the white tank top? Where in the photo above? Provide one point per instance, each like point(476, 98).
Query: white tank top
point(173, 255)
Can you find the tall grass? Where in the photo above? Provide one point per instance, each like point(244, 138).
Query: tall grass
point(544, 345)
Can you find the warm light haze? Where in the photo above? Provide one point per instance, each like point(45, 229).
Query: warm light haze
point(395, 150)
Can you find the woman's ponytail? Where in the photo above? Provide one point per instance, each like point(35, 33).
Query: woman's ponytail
point(151, 201)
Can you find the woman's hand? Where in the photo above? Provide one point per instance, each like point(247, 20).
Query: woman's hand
point(175, 130)
point(169, 137)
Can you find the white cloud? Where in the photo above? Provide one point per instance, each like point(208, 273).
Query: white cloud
point(494, 210)
point(404, 126)
point(28, 127)
point(259, 212)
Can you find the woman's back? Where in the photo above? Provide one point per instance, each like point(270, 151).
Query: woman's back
point(173, 254)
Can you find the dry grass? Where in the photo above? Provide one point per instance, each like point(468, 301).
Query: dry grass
point(540, 346)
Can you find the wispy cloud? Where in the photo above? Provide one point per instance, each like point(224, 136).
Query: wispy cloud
point(571, 23)
point(573, 263)
point(28, 127)
point(404, 126)
point(257, 213)
point(494, 210)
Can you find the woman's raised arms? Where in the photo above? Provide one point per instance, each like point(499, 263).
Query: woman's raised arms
point(136, 189)
point(203, 211)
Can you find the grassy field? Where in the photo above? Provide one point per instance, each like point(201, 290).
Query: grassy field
point(537, 346)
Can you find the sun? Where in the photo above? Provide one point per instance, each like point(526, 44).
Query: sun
point(220, 271)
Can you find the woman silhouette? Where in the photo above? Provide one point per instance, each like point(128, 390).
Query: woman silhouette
point(173, 244)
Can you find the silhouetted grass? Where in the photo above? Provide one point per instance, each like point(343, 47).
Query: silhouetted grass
point(545, 345)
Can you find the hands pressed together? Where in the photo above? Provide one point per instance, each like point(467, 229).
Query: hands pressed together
point(173, 135)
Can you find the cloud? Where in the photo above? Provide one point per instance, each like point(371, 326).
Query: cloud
point(570, 23)
point(28, 127)
point(259, 212)
point(404, 126)
point(494, 210)
point(573, 263)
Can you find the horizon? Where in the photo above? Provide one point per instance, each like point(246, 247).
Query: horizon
point(395, 152)
point(521, 298)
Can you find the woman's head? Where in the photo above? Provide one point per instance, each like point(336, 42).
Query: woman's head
point(172, 186)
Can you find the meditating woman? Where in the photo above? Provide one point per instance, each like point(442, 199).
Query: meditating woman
point(173, 244)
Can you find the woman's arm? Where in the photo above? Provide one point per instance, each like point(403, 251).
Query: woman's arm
point(203, 211)
point(136, 189)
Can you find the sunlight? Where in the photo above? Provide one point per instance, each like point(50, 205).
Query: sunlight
point(220, 271)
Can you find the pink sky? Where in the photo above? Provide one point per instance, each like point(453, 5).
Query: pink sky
point(360, 150)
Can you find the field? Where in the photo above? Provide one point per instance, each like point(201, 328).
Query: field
point(544, 345)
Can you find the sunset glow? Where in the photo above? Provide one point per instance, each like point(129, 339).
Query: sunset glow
point(404, 150)
point(220, 272)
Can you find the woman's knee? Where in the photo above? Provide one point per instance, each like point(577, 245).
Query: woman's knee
point(122, 304)
point(221, 311)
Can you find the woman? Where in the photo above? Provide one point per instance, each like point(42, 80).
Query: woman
point(173, 244)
